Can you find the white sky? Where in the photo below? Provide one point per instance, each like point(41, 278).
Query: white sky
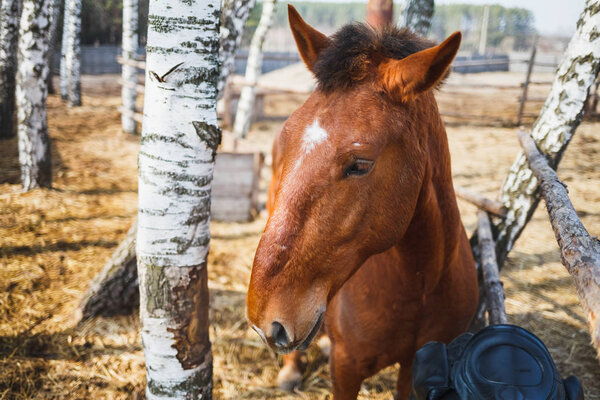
point(551, 16)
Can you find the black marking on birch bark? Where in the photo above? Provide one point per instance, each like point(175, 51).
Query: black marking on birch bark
point(190, 305)
point(209, 134)
point(198, 386)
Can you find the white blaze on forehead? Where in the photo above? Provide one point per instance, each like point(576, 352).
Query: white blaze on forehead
point(313, 135)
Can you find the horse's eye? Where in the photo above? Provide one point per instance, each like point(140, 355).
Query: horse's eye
point(358, 168)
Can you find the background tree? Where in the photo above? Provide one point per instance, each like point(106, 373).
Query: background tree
point(234, 14)
point(243, 117)
point(180, 136)
point(54, 25)
point(73, 51)
point(31, 94)
point(418, 15)
point(380, 12)
point(9, 30)
point(129, 72)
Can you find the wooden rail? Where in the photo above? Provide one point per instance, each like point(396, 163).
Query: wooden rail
point(580, 253)
point(483, 203)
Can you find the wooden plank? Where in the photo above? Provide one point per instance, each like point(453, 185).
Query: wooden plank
point(489, 267)
point(492, 206)
point(526, 84)
point(133, 63)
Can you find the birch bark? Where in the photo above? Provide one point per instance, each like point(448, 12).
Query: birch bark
point(54, 18)
point(417, 15)
point(64, 70)
point(243, 116)
point(31, 94)
point(234, 15)
point(129, 72)
point(9, 33)
point(180, 136)
point(73, 54)
point(553, 130)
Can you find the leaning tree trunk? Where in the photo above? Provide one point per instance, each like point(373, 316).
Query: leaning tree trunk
point(418, 15)
point(9, 30)
point(73, 55)
point(109, 292)
point(31, 94)
point(380, 12)
point(234, 14)
point(54, 18)
point(553, 130)
point(245, 107)
point(180, 136)
point(129, 72)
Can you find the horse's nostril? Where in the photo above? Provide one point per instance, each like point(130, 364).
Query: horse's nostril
point(279, 335)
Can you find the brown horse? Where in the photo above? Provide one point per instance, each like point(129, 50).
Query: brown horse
point(364, 230)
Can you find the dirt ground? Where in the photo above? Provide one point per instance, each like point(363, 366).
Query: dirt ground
point(52, 242)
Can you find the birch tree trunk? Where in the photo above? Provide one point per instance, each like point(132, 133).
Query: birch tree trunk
point(243, 116)
point(64, 70)
point(31, 94)
point(234, 15)
point(417, 15)
point(180, 136)
point(129, 72)
point(9, 33)
point(380, 12)
point(553, 130)
point(73, 55)
point(54, 18)
point(114, 290)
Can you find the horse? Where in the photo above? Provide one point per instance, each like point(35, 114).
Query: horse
point(364, 232)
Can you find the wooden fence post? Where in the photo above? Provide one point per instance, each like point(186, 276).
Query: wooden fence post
point(526, 83)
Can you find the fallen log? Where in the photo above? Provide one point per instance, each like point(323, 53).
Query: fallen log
point(580, 253)
point(483, 203)
point(491, 277)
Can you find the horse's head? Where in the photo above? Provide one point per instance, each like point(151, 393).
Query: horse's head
point(353, 161)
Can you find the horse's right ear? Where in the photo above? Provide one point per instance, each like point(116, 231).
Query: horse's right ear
point(310, 41)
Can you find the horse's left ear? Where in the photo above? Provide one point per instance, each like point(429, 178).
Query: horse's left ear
point(404, 79)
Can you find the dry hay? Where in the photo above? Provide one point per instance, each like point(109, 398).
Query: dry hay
point(52, 242)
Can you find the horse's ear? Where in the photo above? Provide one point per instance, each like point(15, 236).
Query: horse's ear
point(310, 41)
point(404, 79)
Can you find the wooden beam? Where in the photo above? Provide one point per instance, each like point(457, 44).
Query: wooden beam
point(133, 63)
point(580, 253)
point(489, 267)
point(491, 206)
point(526, 83)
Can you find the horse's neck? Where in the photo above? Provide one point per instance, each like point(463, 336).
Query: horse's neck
point(434, 232)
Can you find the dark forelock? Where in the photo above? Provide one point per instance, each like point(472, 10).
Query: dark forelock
point(356, 48)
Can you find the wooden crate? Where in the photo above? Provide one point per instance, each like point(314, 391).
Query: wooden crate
point(235, 186)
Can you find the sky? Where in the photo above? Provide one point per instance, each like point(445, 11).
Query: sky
point(551, 16)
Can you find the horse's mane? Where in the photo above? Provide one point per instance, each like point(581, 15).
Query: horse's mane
point(357, 48)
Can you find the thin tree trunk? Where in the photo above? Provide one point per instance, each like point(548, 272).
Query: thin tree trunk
point(54, 18)
point(9, 34)
point(243, 116)
point(105, 296)
point(31, 94)
point(73, 56)
point(234, 14)
point(580, 253)
point(417, 15)
point(380, 12)
point(552, 131)
point(64, 69)
point(180, 136)
point(129, 72)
